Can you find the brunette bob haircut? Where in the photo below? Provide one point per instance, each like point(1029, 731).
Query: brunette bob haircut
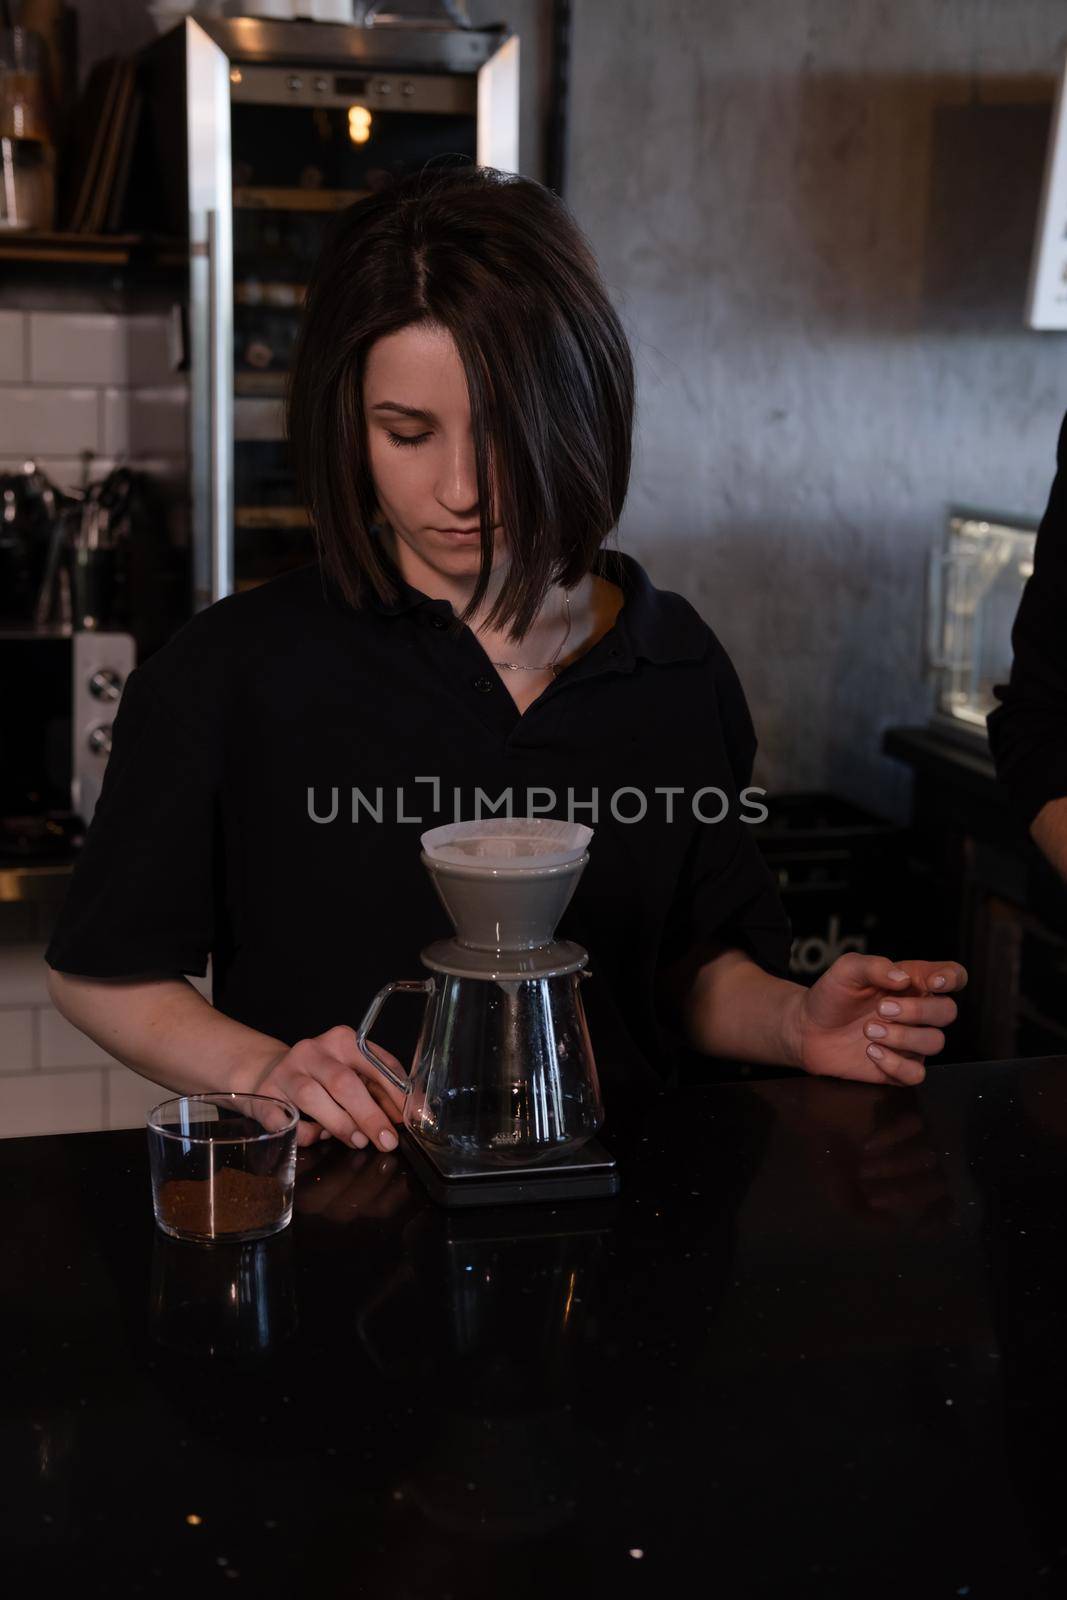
point(499, 262)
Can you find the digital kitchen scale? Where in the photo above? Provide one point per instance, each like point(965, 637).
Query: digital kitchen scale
point(589, 1172)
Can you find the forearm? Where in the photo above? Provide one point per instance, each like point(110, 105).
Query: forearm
point(730, 1007)
point(1049, 832)
point(165, 1029)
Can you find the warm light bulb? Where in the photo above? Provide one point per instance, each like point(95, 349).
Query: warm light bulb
point(358, 124)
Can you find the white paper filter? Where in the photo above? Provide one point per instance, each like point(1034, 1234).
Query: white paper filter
point(516, 842)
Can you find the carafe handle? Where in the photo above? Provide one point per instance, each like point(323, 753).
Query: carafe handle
point(423, 986)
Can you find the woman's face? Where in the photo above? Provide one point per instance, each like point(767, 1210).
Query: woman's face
point(423, 466)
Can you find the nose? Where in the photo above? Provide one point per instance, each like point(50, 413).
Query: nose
point(457, 487)
point(458, 484)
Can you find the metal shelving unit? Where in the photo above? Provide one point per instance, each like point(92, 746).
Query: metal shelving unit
point(261, 132)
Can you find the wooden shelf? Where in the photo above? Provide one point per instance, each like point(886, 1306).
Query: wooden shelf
point(260, 384)
point(255, 198)
point(270, 517)
point(42, 880)
point(102, 249)
point(275, 296)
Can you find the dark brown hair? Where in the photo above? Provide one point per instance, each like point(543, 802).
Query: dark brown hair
point(500, 263)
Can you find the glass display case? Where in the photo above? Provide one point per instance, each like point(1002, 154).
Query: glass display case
point(258, 133)
point(976, 579)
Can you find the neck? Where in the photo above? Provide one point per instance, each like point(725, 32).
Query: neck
point(458, 591)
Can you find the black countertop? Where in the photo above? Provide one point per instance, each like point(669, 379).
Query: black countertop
point(814, 1347)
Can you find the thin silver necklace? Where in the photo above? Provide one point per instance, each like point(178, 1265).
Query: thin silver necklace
point(548, 666)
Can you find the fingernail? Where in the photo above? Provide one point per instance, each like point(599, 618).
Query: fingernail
point(889, 1008)
point(359, 1140)
point(938, 982)
point(325, 1134)
point(874, 1052)
point(388, 1140)
point(874, 1030)
point(896, 974)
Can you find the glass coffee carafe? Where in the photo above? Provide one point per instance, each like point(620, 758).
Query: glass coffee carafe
point(503, 1073)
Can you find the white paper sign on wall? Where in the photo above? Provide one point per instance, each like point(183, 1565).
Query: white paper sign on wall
point(1046, 297)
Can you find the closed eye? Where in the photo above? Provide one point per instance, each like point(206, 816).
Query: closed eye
point(413, 441)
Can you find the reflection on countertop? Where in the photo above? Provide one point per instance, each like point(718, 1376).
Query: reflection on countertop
point(819, 1329)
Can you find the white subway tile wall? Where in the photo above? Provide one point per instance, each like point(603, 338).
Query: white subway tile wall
point(60, 1044)
point(72, 381)
point(143, 422)
point(50, 420)
point(91, 380)
point(18, 1051)
point(12, 346)
point(52, 1102)
point(98, 348)
point(53, 1079)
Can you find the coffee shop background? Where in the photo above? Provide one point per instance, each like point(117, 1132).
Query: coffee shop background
point(816, 219)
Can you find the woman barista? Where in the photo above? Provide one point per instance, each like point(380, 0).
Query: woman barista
point(460, 413)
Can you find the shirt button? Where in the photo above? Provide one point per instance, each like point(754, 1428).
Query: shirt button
point(483, 685)
point(438, 621)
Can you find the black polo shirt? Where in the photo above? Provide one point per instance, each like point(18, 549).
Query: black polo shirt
point(1028, 728)
point(274, 764)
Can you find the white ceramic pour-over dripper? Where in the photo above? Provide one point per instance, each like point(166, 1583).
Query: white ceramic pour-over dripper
point(505, 882)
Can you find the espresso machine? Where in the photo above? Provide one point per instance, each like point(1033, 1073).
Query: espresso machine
point(503, 1101)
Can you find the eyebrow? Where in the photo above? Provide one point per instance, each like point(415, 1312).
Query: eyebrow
point(405, 411)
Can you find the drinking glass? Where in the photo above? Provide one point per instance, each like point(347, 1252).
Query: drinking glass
point(223, 1165)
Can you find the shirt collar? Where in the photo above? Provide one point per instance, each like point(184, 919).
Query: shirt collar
point(656, 624)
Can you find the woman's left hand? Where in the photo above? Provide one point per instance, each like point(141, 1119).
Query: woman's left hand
point(874, 1019)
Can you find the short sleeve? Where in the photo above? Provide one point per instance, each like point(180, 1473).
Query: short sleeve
point(727, 895)
point(1028, 729)
point(141, 897)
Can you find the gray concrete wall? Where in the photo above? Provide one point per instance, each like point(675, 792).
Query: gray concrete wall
point(816, 217)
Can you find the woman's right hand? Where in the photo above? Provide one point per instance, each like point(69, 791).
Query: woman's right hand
point(332, 1082)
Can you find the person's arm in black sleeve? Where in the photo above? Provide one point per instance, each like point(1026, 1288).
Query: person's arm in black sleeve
point(742, 905)
point(140, 908)
point(728, 921)
point(1028, 729)
point(141, 896)
point(726, 997)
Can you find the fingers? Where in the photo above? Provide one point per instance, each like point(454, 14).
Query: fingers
point(917, 1041)
point(340, 1092)
point(334, 1095)
point(341, 1042)
point(388, 1098)
point(893, 1067)
point(878, 972)
point(918, 1011)
point(872, 972)
point(269, 1111)
point(936, 977)
point(340, 1100)
point(881, 1065)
